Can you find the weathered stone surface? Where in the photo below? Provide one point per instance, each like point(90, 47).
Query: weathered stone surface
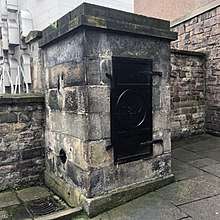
point(102, 203)
point(76, 100)
point(66, 123)
point(33, 193)
point(73, 74)
point(187, 94)
point(53, 100)
point(147, 207)
point(8, 199)
point(21, 142)
point(8, 117)
point(93, 16)
point(78, 78)
point(204, 209)
point(74, 50)
point(201, 33)
point(191, 189)
point(99, 99)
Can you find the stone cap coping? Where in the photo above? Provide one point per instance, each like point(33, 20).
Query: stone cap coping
point(33, 36)
point(21, 98)
point(196, 12)
point(89, 15)
point(188, 53)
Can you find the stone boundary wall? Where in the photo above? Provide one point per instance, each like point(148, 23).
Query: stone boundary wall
point(187, 93)
point(21, 141)
point(202, 33)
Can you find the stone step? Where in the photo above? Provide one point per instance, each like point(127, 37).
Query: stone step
point(63, 214)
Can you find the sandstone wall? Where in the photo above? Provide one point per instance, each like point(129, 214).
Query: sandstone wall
point(202, 33)
point(187, 93)
point(21, 141)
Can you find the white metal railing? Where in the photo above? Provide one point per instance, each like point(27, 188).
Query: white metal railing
point(18, 85)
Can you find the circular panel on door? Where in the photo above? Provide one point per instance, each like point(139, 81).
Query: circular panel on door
point(131, 109)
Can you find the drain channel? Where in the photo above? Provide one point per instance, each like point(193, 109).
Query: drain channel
point(44, 206)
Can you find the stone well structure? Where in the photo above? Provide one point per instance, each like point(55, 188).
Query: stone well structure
point(102, 68)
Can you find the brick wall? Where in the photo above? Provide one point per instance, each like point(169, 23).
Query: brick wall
point(21, 141)
point(202, 33)
point(187, 93)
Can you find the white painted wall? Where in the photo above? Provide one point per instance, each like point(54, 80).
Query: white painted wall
point(45, 12)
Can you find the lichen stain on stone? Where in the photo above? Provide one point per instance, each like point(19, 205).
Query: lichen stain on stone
point(98, 22)
point(73, 22)
point(54, 25)
point(161, 166)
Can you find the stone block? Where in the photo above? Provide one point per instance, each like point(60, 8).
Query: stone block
point(72, 74)
point(158, 149)
point(69, 123)
point(25, 117)
point(95, 127)
point(98, 153)
point(76, 100)
point(77, 176)
point(65, 51)
point(99, 99)
point(8, 199)
point(98, 70)
point(75, 149)
point(53, 101)
point(32, 153)
point(8, 117)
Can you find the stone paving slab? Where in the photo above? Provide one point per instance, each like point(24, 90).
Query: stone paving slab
point(206, 209)
point(183, 171)
point(191, 172)
point(8, 199)
point(33, 193)
point(213, 169)
point(147, 207)
point(191, 189)
point(212, 154)
point(19, 213)
point(210, 143)
point(189, 142)
point(200, 163)
point(185, 155)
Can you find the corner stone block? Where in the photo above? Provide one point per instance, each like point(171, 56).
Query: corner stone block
point(99, 156)
point(76, 100)
point(72, 73)
point(99, 99)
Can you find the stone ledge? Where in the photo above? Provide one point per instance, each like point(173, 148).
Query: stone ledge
point(94, 206)
point(23, 98)
point(125, 194)
point(188, 53)
point(93, 16)
point(33, 36)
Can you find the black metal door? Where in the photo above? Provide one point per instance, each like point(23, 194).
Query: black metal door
point(131, 109)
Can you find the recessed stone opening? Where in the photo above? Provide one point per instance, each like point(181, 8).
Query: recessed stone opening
point(63, 156)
